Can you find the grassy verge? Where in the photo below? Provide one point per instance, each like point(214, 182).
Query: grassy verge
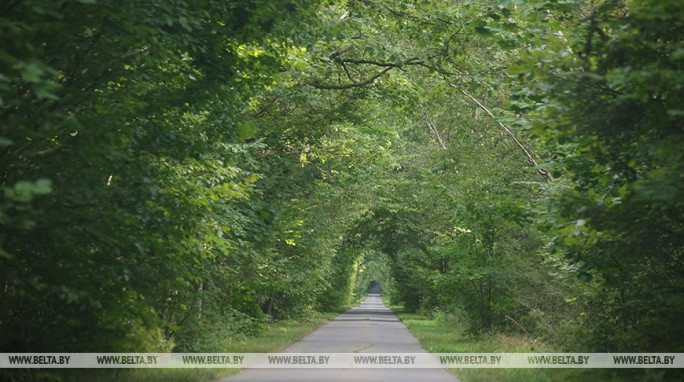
point(357, 300)
point(274, 337)
point(444, 335)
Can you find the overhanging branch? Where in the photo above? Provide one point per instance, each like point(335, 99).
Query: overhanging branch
point(354, 84)
point(344, 62)
point(544, 174)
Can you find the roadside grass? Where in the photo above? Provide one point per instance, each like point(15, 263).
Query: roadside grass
point(445, 335)
point(356, 300)
point(274, 337)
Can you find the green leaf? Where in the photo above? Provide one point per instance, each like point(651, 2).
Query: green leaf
point(184, 23)
point(24, 191)
point(42, 187)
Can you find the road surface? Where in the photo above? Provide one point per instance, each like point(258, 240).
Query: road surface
point(368, 328)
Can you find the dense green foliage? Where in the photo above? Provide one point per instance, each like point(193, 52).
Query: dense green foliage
point(177, 172)
point(614, 112)
point(128, 173)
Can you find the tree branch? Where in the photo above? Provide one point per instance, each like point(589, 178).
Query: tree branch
point(340, 52)
point(346, 70)
point(434, 131)
point(335, 57)
point(544, 174)
point(410, 61)
point(353, 85)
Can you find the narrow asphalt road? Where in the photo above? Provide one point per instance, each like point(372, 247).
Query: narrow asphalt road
point(368, 328)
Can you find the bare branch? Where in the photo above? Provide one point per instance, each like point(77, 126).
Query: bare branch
point(436, 69)
point(353, 85)
point(516, 323)
point(340, 52)
point(410, 61)
point(415, 61)
point(544, 174)
point(434, 131)
point(346, 70)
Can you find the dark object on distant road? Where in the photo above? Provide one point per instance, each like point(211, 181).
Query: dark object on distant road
point(374, 287)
